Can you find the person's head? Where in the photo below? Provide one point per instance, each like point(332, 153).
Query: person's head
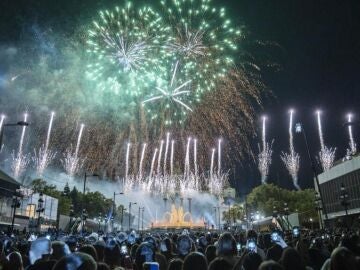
point(100, 248)
point(342, 259)
point(175, 264)
point(274, 253)
point(251, 234)
point(40, 248)
point(112, 255)
point(226, 245)
point(144, 253)
point(210, 253)
point(15, 261)
point(102, 266)
point(184, 245)
point(270, 265)
point(220, 264)
point(90, 250)
point(60, 249)
point(168, 244)
point(195, 260)
point(76, 261)
point(291, 259)
point(251, 261)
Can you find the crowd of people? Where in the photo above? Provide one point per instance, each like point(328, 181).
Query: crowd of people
point(183, 250)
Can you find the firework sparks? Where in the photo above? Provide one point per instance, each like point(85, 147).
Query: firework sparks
point(71, 161)
point(264, 157)
point(20, 161)
point(292, 159)
point(326, 155)
point(43, 157)
point(352, 143)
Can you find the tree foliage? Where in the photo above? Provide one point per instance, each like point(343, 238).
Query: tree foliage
point(266, 198)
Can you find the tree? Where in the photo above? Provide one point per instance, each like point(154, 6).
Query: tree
point(266, 198)
point(236, 212)
point(66, 191)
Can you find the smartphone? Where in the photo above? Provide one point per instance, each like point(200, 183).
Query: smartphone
point(151, 266)
point(251, 245)
point(163, 247)
point(238, 246)
point(274, 236)
point(124, 249)
point(296, 232)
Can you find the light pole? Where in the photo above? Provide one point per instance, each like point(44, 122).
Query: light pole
point(114, 208)
point(15, 204)
point(131, 203)
point(122, 216)
point(299, 128)
point(20, 124)
point(71, 214)
point(40, 209)
point(139, 219)
point(142, 220)
point(318, 208)
point(344, 199)
point(83, 212)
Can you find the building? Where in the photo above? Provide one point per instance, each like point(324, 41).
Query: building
point(26, 214)
point(346, 174)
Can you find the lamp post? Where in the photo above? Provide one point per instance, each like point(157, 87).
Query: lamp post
point(299, 128)
point(286, 213)
point(20, 124)
point(215, 218)
point(40, 209)
point(114, 208)
point(318, 208)
point(83, 212)
point(142, 220)
point(15, 204)
point(122, 217)
point(131, 203)
point(344, 199)
point(71, 214)
point(139, 219)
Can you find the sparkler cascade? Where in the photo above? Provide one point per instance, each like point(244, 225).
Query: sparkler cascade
point(326, 155)
point(265, 154)
point(292, 159)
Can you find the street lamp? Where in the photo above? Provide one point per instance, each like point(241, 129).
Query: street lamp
point(83, 212)
point(318, 208)
point(114, 208)
point(344, 199)
point(299, 128)
point(20, 124)
point(131, 203)
point(71, 214)
point(40, 209)
point(15, 204)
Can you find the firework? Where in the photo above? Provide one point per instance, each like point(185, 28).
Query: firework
point(20, 161)
point(166, 150)
point(1, 125)
point(172, 158)
point(352, 143)
point(127, 161)
point(264, 157)
point(43, 157)
point(71, 161)
point(159, 158)
point(292, 159)
point(326, 155)
point(142, 161)
point(203, 41)
point(125, 41)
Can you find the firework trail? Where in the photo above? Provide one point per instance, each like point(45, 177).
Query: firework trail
point(172, 158)
point(187, 160)
point(127, 161)
point(264, 157)
point(219, 157)
point(195, 159)
point(326, 155)
point(212, 163)
point(159, 158)
point(71, 162)
point(153, 164)
point(142, 161)
point(166, 151)
point(20, 161)
point(352, 143)
point(43, 157)
point(1, 125)
point(292, 159)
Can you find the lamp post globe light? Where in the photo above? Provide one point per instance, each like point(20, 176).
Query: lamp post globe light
point(40, 209)
point(299, 128)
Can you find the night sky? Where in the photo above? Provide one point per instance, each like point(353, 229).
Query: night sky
point(318, 54)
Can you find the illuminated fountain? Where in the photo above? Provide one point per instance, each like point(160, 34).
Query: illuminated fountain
point(177, 219)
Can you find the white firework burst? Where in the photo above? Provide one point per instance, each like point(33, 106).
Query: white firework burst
point(42, 159)
point(19, 164)
point(264, 161)
point(327, 158)
point(292, 164)
point(71, 162)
